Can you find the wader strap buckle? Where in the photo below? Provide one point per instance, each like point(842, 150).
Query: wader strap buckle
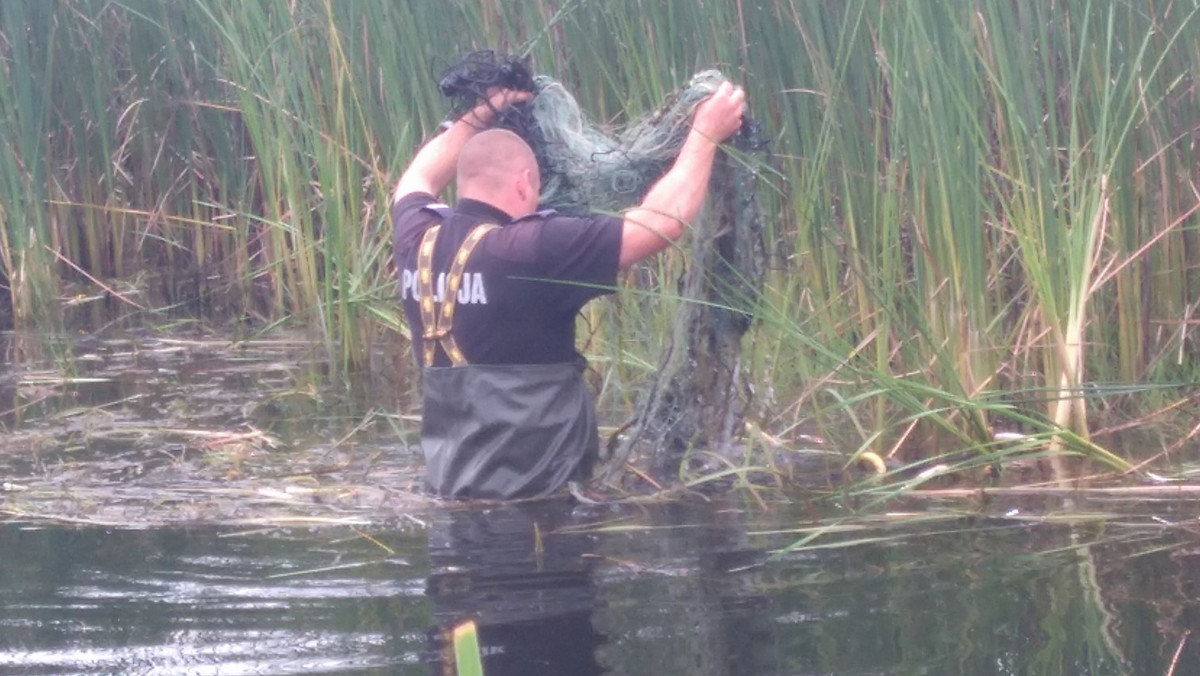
point(437, 325)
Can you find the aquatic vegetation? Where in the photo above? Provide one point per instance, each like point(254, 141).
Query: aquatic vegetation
point(467, 660)
point(161, 430)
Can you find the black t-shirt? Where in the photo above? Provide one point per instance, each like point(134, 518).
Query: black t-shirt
point(524, 285)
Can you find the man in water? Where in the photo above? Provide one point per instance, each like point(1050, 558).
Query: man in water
point(491, 289)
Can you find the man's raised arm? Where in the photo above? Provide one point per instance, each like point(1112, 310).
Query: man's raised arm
point(674, 201)
point(433, 167)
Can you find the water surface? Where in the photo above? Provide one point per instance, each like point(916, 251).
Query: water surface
point(561, 589)
point(188, 507)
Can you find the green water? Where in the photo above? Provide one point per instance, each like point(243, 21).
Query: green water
point(667, 589)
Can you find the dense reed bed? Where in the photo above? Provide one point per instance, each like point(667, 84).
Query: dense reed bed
point(982, 214)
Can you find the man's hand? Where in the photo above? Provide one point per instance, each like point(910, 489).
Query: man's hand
point(720, 115)
point(498, 99)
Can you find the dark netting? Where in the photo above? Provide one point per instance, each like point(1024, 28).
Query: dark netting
point(698, 399)
point(467, 82)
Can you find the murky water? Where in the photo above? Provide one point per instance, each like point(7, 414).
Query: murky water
point(180, 507)
point(663, 589)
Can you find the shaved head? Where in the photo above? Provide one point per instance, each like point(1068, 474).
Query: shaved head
point(490, 160)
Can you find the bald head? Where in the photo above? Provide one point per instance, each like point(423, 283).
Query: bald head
point(492, 163)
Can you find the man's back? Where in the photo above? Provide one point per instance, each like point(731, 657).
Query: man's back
point(523, 285)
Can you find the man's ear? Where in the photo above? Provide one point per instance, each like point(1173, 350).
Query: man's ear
point(526, 188)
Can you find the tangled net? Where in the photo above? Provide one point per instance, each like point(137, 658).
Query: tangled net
point(698, 399)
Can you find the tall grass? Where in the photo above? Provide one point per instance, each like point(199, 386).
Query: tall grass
point(980, 155)
point(25, 111)
point(983, 213)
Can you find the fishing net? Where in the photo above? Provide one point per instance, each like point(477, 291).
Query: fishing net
point(698, 399)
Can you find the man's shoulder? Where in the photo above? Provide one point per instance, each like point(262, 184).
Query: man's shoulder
point(417, 202)
point(413, 214)
point(551, 221)
point(556, 239)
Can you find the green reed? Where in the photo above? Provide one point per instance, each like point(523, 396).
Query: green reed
point(964, 196)
point(24, 111)
point(966, 200)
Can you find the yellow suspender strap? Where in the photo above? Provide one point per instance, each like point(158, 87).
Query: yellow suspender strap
point(437, 325)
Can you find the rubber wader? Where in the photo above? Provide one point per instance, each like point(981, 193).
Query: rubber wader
point(496, 431)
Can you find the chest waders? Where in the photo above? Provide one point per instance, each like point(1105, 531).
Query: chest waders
point(495, 431)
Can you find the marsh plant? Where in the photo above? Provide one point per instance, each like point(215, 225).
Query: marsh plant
point(982, 214)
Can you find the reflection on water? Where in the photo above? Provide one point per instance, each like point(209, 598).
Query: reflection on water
point(194, 602)
point(525, 579)
point(560, 589)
